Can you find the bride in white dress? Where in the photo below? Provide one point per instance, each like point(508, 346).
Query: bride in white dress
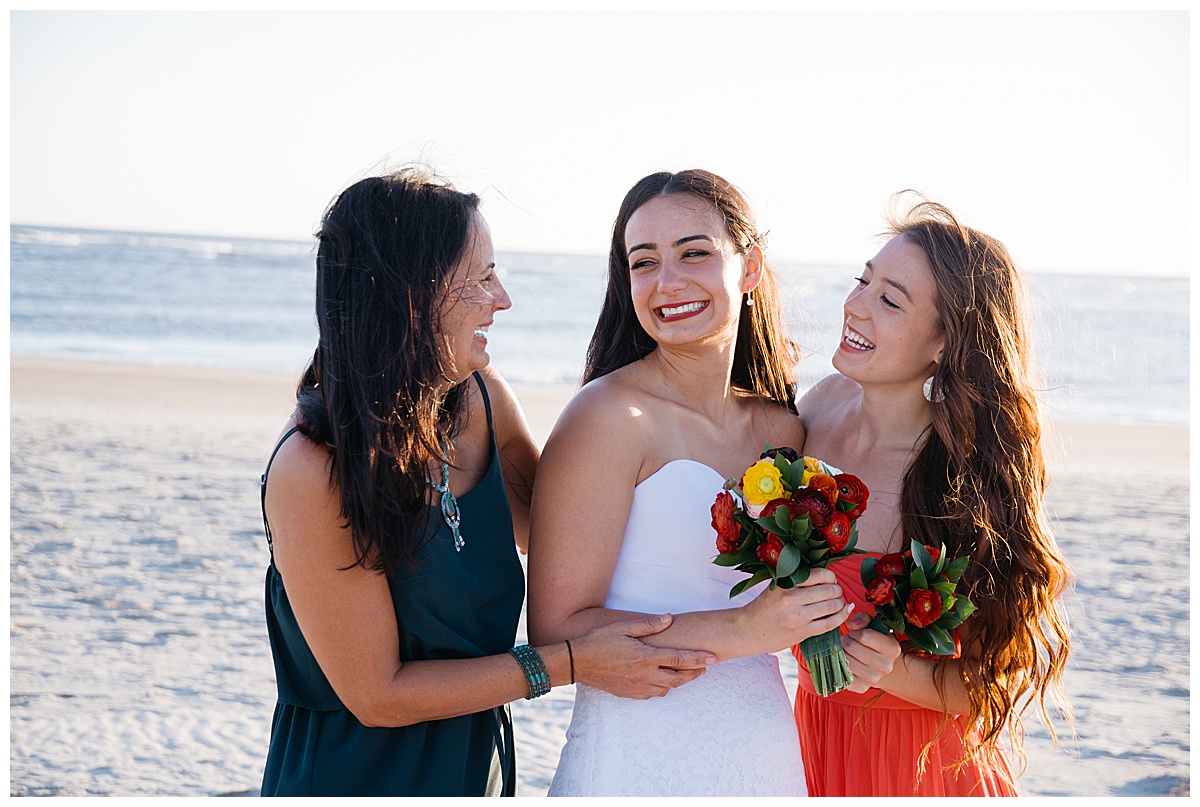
point(687, 378)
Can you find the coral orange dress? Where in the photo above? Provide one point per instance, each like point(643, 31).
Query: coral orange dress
point(854, 749)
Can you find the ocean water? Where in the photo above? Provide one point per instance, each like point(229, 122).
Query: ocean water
point(1109, 349)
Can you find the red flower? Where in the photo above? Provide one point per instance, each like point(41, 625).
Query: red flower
point(924, 607)
point(881, 590)
point(825, 484)
point(932, 550)
point(727, 529)
point(892, 564)
point(768, 553)
point(837, 532)
point(851, 489)
point(814, 504)
point(770, 507)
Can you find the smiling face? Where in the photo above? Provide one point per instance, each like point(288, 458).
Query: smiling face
point(686, 275)
point(474, 296)
point(891, 333)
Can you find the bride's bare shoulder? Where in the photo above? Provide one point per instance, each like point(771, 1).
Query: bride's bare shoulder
point(611, 405)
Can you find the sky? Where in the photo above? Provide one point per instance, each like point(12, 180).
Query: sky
point(1064, 134)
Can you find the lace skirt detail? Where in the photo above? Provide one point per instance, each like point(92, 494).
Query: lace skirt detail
point(728, 733)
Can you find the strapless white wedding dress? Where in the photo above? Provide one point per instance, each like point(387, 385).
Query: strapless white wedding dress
point(728, 733)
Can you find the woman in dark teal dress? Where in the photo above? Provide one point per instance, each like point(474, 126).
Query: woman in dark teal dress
point(394, 504)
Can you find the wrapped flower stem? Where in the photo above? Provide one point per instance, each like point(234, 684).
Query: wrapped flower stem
point(827, 662)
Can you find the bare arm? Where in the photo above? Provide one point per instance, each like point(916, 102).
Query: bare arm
point(348, 620)
point(585, 490)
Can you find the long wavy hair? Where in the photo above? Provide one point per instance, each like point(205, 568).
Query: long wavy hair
point(978, 481)
point(387, 249)
point(764, 359)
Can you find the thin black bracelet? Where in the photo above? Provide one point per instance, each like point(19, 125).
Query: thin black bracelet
point(571, 658)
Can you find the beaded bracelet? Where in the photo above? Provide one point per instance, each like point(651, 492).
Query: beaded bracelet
point(535, 670)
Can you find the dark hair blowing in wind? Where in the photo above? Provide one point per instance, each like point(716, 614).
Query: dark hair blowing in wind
point(764, 359)
point(375, 391)
point(978, 481)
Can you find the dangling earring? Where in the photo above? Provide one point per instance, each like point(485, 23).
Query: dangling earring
point(932, 395)
point(749, 298)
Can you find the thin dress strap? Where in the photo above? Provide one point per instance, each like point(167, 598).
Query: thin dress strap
point(263, 487)
point(487, 404)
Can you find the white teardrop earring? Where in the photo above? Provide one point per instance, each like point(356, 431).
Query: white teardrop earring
point(749, 298)
point(932, 395)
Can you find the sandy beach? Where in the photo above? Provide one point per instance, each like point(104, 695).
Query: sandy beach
point(139, 662)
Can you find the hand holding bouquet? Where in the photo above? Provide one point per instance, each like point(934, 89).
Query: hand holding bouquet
point(786, 516)
point(915, 598)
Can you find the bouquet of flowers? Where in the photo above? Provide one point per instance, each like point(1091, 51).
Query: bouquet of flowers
point(786, 516)
point(914, 597)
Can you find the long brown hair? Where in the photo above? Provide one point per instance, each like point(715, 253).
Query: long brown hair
point(387, 249)
point(764, 360)
point(978, 481)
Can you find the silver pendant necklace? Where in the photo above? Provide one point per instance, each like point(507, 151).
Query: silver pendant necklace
point(450, 510)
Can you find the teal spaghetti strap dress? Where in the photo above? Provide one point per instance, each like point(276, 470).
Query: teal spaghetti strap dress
point(454, 604)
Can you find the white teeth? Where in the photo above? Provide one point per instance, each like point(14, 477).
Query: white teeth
point(481, 333)
point(856, 340)
point(681, 309)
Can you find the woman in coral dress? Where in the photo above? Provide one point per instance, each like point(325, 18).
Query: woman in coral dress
point(933, 409)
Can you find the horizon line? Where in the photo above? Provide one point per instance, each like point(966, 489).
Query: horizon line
point(1076, 271)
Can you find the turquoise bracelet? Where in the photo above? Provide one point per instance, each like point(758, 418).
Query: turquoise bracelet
point(535, 670)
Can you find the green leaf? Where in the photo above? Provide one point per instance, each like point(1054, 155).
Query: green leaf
point(801, 527)
point(948, 621)
point(954, 570)
point(769, 524)
point(943, 559)
point(783, 518)
point(918, 576)
point(866, 572)
point(877, 624)
point(727, 560)
point(945, 589)
point(964, 608)
point(794, 477)
point(781, 465)
point(800, 575)
point(891, 617)
point(789, 560)
point(749, 582)
point(921, 556)
point(921, 638)
point(943, 642)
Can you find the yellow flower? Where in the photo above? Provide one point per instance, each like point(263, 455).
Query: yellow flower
point(812, 465)
point(762, 483)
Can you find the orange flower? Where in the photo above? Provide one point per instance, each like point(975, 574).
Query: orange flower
point(727, 529)
point(825, 484)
